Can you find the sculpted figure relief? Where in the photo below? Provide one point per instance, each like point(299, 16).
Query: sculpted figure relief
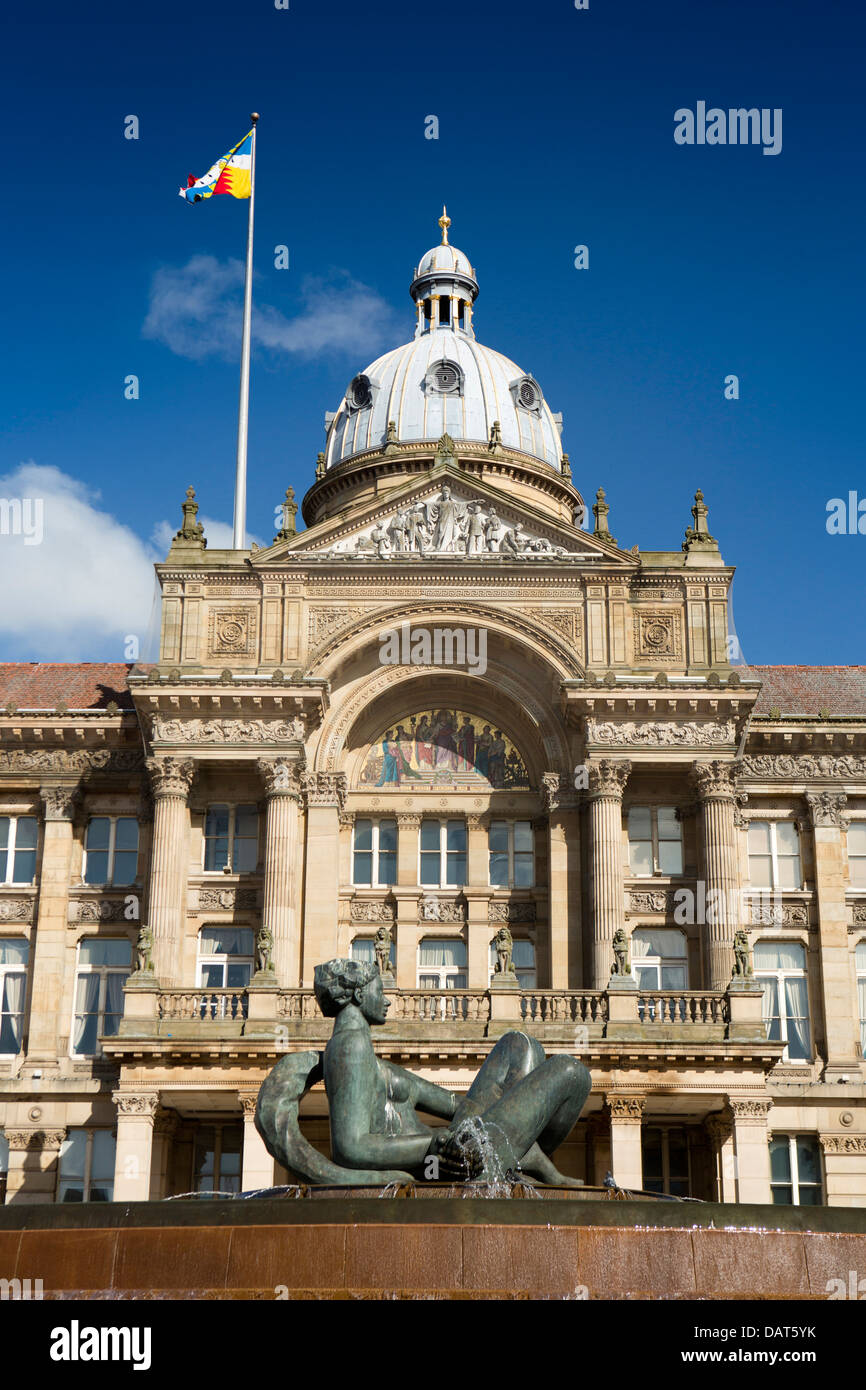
point(519, 1109)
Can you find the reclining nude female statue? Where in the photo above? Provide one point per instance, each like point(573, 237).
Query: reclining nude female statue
point(518, 1110)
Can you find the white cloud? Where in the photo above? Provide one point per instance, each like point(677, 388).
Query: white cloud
point(76, 582)
point(195, 310)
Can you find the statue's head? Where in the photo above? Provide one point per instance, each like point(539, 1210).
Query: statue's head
point(341, 982)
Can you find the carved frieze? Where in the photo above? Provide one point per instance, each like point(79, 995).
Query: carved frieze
point(764, 913)
point(843, 1143)
point(103, 909)
point(802, 767)
point(666, 734)
point(859, 912)
point(362, 911)
point(657, 901)
point(753, 1112)
point(510, 912)
point(16, 909)
point(445, 525)
point(232, 632)
point(38, 1139)
point(70, 760)
point(441, 910)
point(227, 899)
point(228, 731)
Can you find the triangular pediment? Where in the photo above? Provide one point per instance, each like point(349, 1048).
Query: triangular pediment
point(444, 514)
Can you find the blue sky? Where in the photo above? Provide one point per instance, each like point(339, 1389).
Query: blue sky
point(555, 129)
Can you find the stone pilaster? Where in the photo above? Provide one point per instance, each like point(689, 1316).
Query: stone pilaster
point(607, 779)
point(49, 951)
point(563, 869)
point(716, 785)
point(841, 1033)
point(164, 1128)
point(325, 796)
point(408, 833)
point(171, 779)
point(751, 1148)
point(33, 1159)
point(136, 1113)
point(258, 1168)
point(845, 1169)
point(626, 1156)
point(720, 1128)
point(282, 790)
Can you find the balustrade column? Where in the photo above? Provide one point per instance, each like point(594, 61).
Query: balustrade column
point(283, 792)
point(716, 786)
point(171, 779)
point(325, 796)
point(607, 779)
point(134, 1153)
point(49, 950)
point(829, 822)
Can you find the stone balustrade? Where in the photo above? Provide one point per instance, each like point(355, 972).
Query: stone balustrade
point(563, 1006)
point(206, 1005)
point(440, 1006)
point(685, 1006)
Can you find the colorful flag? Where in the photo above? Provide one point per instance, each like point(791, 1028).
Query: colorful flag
point(231, 174)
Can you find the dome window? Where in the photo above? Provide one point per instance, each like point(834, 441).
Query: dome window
point(359, 395)
point(444, 311)
point(444, 379)
point(527, 394)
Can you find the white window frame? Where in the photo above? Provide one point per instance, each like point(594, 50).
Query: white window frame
point(112, 840)
point(223, 959)
point(510, 827)
point(666, 1130)
point(15, 970)
point(443, 971)
point(775, 886)
point(780, 975)
point(13, 819)
point(374, 851)
point(443, 823)
point(854, 885)
point(232, 807)
point(103, 971)
point(795, 1183)
point(860, 974)
point(657, 871)
point(88, 1162)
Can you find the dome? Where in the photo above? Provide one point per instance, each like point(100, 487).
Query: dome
point(444, 381)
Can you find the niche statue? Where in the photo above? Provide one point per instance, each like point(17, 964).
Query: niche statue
point(518, 1110)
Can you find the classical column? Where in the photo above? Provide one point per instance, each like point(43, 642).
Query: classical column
point(49, 954)
point(607, 778)
point(136, 1112)
point(406, 925)
point(478, 927)
point(283, 791)
point(751, 1149)
point(563, 878)
point(626, 1156)
point(716, 785)
point(325, 796)
point(164, 1128)
point(33, 1157)
point(258, 1168)
point(720, 1128)
point(829, 822)
point(171, 779)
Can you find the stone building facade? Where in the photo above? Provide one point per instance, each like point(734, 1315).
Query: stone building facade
point(452, 705)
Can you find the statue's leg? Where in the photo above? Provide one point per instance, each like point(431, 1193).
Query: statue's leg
point(543, 1106)
point(513, 1057)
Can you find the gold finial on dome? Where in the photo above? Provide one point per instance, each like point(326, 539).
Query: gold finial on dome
point(444, 223)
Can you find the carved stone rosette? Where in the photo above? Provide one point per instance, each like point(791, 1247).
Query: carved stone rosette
point(281, 776)
point(607, 777)
point(325, 788)
point(170, 777)
point(827, 808)
point(716, 779)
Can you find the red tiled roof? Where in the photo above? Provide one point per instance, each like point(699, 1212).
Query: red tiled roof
point(810, 689)
point(79, 685)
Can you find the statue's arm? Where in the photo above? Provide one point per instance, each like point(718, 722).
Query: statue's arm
point(350, 1081)
point(425, 1095)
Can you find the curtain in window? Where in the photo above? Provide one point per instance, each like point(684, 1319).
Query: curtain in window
point(799, 1042)
point(437, 954)
point(113, 1002)
point(779, 955)
point(12, 1005)
point(861, 989)
point(770, 1009)
point(86, 1004)
point(226, 941)
point(663, 942)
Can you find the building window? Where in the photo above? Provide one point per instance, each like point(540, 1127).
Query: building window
point(374, 852)
point(216, 1167)
point(443, 853)
point(860, 959)
point(857, 854)
point(18, 848)
point(774, 854)
point(523, 960)
point(655, 841)
point(666, 1160)
point(363, 948)
point(231, 839)
point(103, 965)
point(442, 963)
point(512, 854)
point(86, 1168)
point(660, 958)
point(111, 850)
point(795, 1170)
point(225, 957)
point(4, 1166)
point(14, 952)
point(781, 968)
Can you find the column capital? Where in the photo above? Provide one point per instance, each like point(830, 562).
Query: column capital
point(249, 1100)
point(828, 808)
point(626, 1107)
point(752, 1111)
point(558, 792)
point(281, 776)
point(171, 777)
point(59, 802)
point(607, 778)
point(142, 1103)
point(411, 820)
point(324, 788)
point(35, 1139)
point(717, 779)
point(719, 1126)
point(165, 1122)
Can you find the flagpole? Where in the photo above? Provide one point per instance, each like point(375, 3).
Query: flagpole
point(240, 518)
